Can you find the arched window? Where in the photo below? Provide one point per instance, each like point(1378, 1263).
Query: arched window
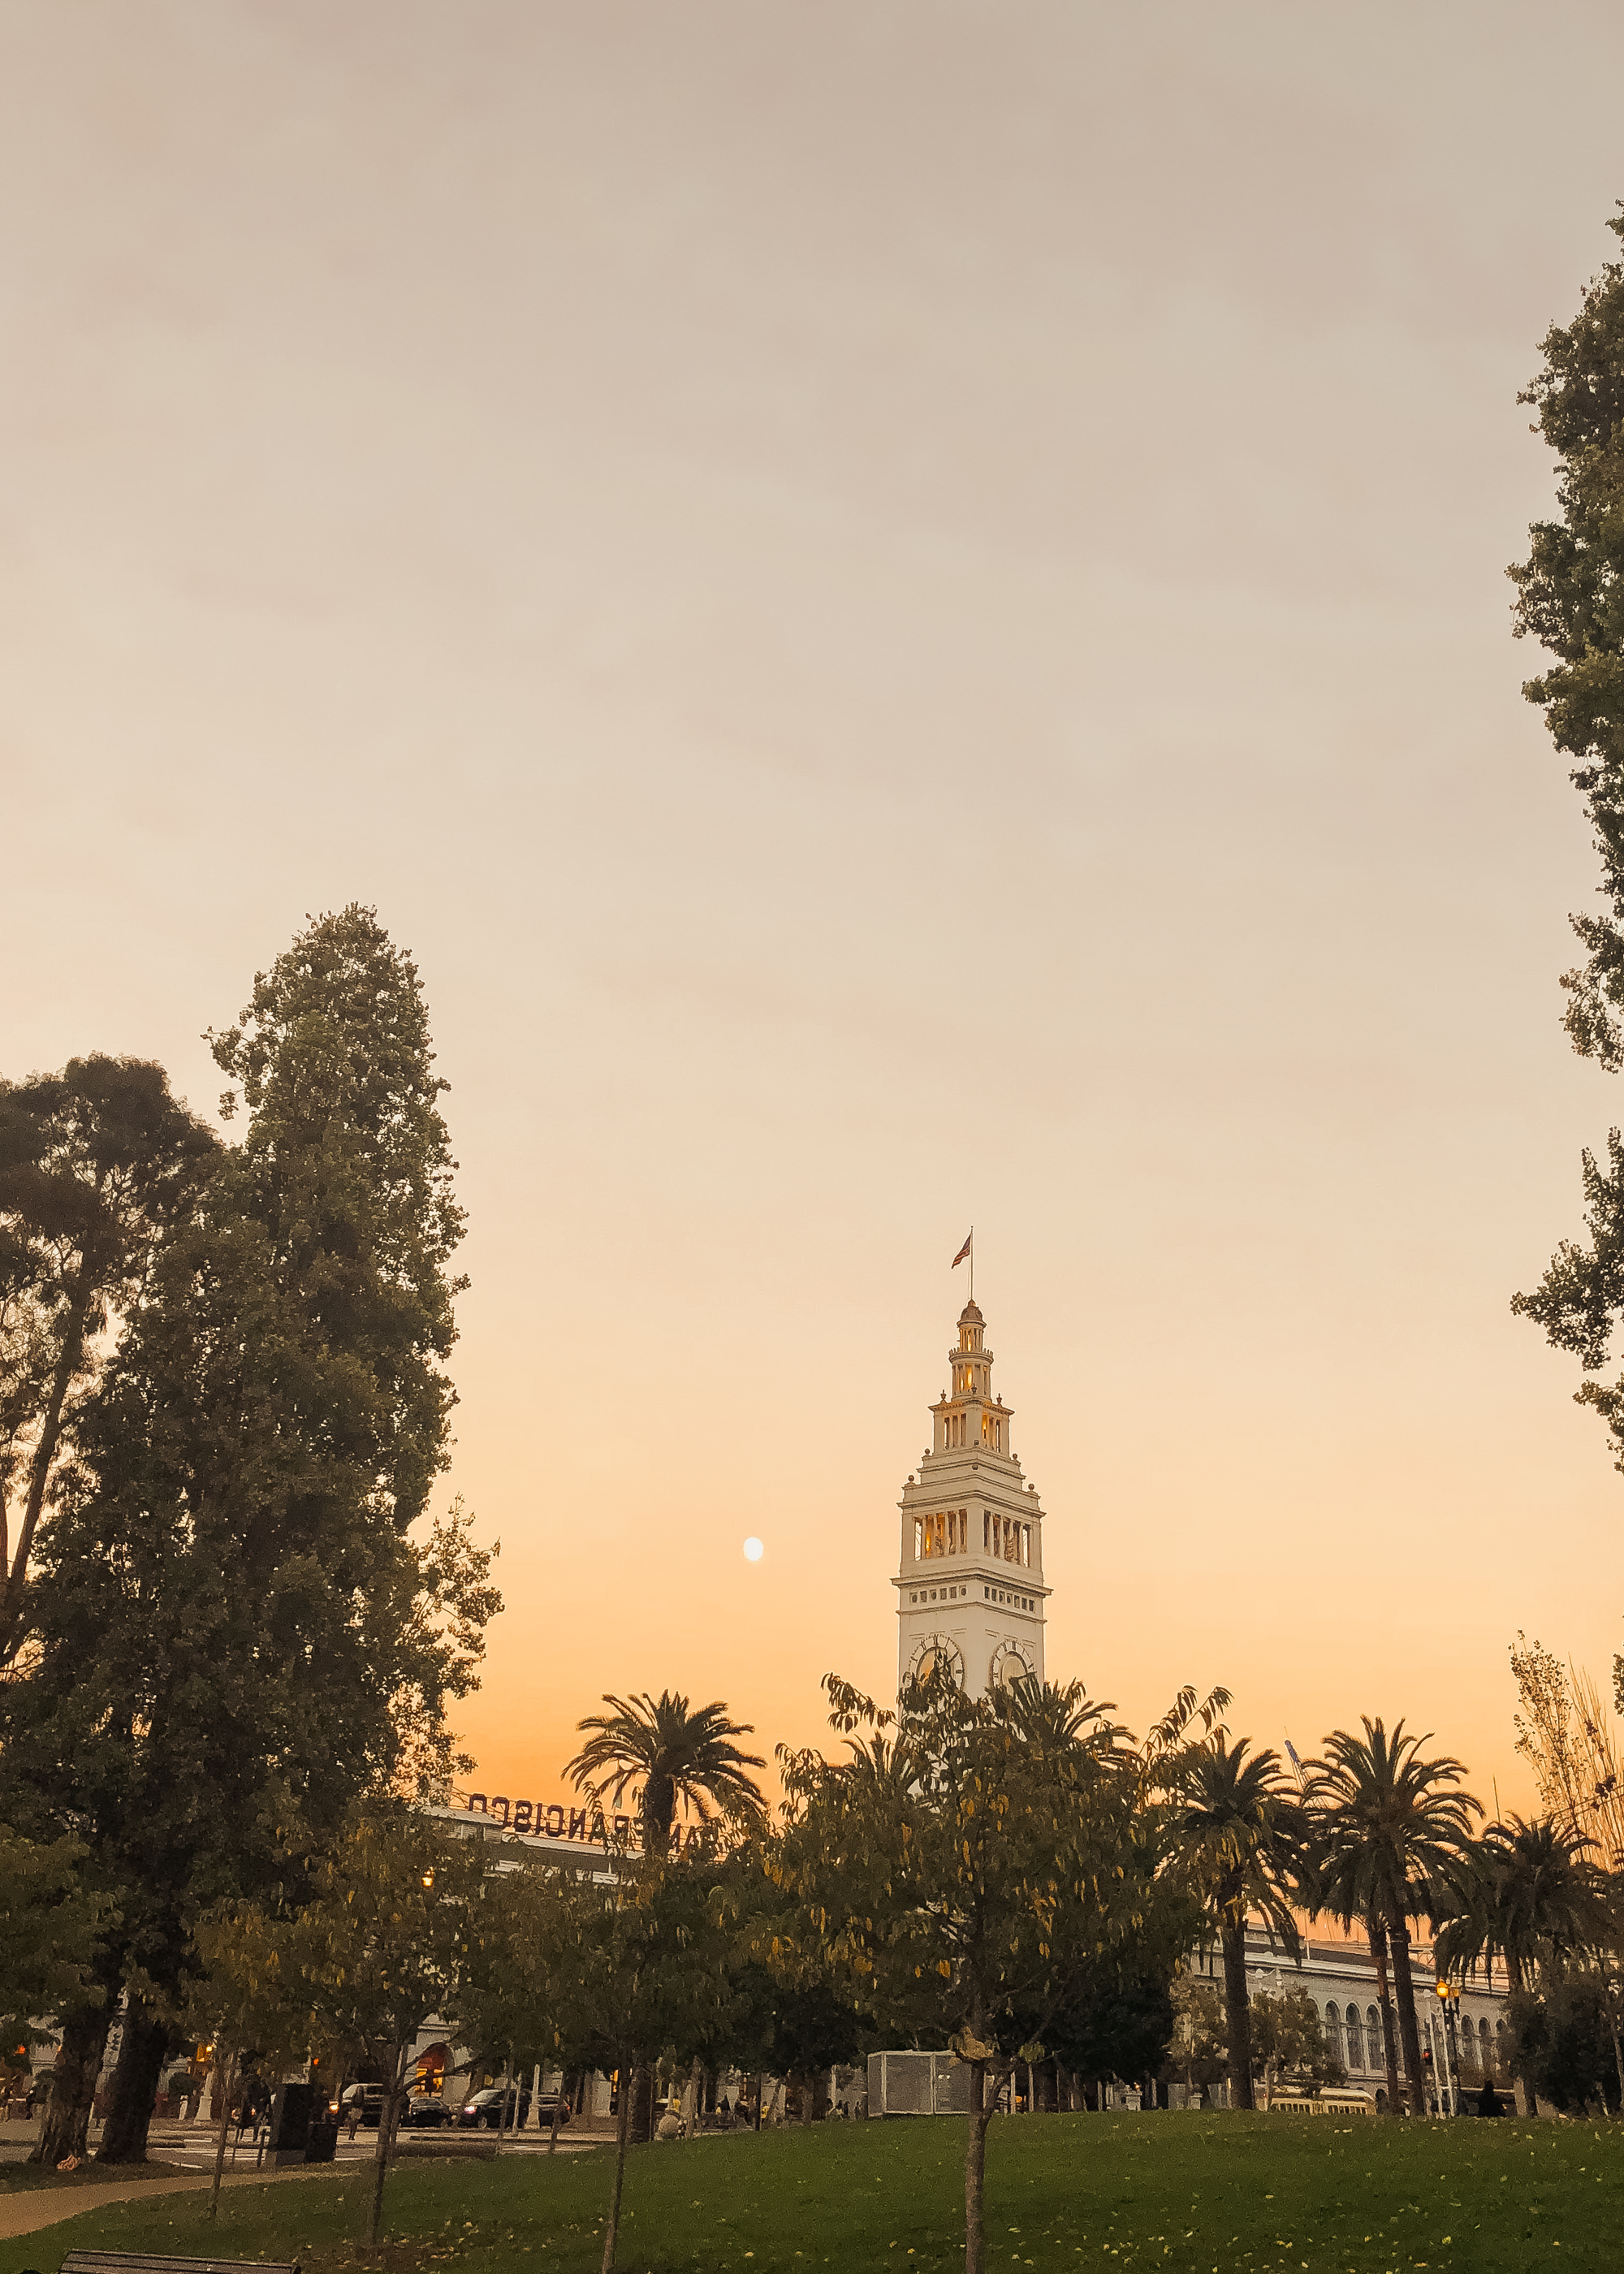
point(1372, 2030)
point(1355, 2051)
point(1331, 2030)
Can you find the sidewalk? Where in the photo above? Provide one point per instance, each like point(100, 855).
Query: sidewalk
point(27, 2210)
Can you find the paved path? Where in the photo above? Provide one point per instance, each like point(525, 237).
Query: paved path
point(24, 2210)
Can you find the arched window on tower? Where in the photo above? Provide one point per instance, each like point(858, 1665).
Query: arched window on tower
point(1026, 1545)
point(919, 1538)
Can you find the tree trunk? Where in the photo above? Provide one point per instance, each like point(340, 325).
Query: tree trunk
point(558, 2110)
point(1409, 2033)
point(388, 2117)
point(1384, 2000)
point(975, 2168)
point(1238, 2012)
point(611, 2229)
point(66, 2128)
point(141, 2056)
point(223, 2079)
point(642, 2105)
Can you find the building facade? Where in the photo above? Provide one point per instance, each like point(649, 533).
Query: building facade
point(1340, 1977)
point(969, 1581)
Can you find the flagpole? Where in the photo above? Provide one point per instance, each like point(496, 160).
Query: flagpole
point(973, 1263)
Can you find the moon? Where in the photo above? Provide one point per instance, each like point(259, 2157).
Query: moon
point(753, 1550)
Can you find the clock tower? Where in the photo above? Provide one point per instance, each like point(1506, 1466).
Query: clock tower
point(970, 1577)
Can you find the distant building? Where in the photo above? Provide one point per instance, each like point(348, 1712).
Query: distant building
point(1340, 1979)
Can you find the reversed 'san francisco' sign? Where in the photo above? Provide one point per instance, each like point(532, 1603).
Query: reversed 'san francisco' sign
point(528, 1818)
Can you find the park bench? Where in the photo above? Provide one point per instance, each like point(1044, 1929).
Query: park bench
point(145, 2261)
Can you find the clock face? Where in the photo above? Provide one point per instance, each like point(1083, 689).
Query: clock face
point(1009, 1664)
point(935, 1655)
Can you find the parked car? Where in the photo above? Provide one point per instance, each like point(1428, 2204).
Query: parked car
point(428, 2108)
point(545, 2104)
point(487, 2108)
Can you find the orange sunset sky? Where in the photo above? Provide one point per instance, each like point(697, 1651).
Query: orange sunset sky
point(903, 605)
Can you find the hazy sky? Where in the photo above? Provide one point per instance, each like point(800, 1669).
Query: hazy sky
point(903, 605)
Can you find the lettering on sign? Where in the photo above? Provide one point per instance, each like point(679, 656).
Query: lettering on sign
point(529, 1819)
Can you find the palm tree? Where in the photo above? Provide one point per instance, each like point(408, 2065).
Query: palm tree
point(1528, 1894)
point(1389, 1834)
point(671, 1754)
point(1244, 1838)
point(1525, 1892)
point(1057, 1721)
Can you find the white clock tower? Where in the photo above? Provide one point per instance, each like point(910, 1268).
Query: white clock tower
point(969, 1580)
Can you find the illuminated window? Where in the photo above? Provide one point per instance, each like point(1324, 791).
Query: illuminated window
point(1026, 1543)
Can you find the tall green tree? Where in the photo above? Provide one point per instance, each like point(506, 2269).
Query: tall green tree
point(97, 1163)
point(671, 1754)
point(1247, 1845)
point(1391, 1826)
point(1570, 598)
point(243, 1630)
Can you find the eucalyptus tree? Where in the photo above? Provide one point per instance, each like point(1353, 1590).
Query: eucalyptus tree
point(673, 1754)
point(51, 1930)
point(1246, 1842)
point(239, 1625)
point(97, 1165)
point(1390, 1827)
point(1570, 598)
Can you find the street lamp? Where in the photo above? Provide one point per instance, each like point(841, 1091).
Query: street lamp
point(1450, 1994)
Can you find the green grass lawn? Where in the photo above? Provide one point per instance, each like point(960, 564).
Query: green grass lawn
point(1180, 2192)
